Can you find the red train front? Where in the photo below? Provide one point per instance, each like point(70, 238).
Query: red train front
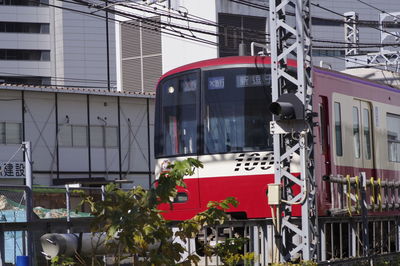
point(217, 111)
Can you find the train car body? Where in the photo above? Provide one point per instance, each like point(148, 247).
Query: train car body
point(217, 112)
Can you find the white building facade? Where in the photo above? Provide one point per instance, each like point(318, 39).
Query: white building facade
point(57, 43)
point(87, 136)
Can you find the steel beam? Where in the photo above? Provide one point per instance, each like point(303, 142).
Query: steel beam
point(293, 42)
point(351, 33)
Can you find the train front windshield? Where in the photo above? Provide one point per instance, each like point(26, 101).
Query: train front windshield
point(213, 112)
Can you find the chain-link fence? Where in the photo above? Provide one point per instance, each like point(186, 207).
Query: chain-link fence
point(13, 209)
point(21, 208)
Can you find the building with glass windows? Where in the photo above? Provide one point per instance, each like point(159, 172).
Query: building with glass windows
point(56, 42)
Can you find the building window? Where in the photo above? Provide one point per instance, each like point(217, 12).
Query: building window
point(327, 22)
point(20, 27)
point(393, 137)
point(327, 53)
point(25, 55)
point(236, 28)
point(25, 80)
point(24, 3)
point(72, 136)
point(338, 130)
point(10, 133)
point(104, 136)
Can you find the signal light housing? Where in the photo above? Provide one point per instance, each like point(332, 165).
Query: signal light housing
point(288, 107)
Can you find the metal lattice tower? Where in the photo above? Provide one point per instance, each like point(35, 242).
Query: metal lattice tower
point(293, 139)
point(386, 33)
point(389, 59)
point(351, 33)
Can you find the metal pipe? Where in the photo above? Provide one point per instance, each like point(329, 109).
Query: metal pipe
point(28, 163)
point(254, 44)
point(343, 180)
point(67, 200)
point(339, 211)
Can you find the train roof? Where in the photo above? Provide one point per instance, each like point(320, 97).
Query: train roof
point(388, 78)
point(231, 60)
point(372, 76)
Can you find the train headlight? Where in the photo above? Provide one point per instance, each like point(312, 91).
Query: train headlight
point(171, 89)
point(181, 197)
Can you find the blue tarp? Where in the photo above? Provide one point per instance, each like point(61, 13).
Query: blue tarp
point(13, 240)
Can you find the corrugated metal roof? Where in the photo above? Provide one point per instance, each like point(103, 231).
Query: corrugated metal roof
point(75, 90)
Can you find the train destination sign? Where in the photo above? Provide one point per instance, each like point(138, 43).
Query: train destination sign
point(12, 170)
point(243, 81)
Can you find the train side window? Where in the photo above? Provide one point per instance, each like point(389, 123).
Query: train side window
point(356, 132)
point(393, 137)
point(322, 128)
point(338, 129)
point(367, 134)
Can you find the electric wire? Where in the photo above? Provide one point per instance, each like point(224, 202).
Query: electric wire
point(186, 15)
point(194, 38)
point(380, 10)
point(155, 24)
point(362, 45)
point(352, 20)
point(12, 156)
point(366, 23)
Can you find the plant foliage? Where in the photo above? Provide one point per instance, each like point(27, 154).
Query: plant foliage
point(134, 226)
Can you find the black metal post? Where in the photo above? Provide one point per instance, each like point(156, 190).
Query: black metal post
point(148, 141)
point(23, 120)
point(57, 147)
point(2, 246)
point(89, 142)
point(119, 138)
point(23, 114)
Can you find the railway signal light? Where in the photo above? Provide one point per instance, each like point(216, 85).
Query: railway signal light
point(287, 107)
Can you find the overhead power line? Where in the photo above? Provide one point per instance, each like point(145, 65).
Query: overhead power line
point(378, 9)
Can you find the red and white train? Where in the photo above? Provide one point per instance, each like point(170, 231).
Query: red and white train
point(217, 111)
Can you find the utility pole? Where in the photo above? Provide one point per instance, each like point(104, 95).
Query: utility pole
point(292, 128)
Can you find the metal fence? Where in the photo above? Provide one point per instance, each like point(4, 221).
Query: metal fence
point(25, 216)
point(15, 206)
